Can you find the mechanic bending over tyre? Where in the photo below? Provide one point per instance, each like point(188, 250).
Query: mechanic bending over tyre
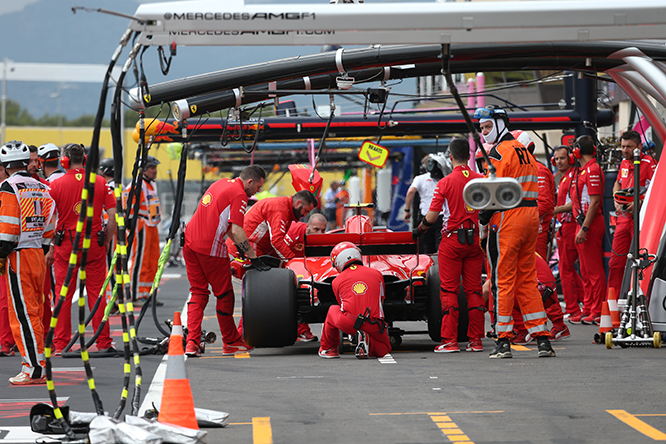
point(512, 238)
point(221, 211)
point(359, 291)
point(266, 225)
point(460, 253)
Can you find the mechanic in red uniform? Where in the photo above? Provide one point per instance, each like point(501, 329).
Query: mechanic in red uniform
point(266, 225)
point(221, 211)
point(359, 291)
point(586, 198)
point(460, 254)
point(66, 192)
point(268, 221)
point(512, 237)
point(624, 228)
point(572, 284)
point(296, 234)
point(7, 342)
point(26, 213)
point(546, 199)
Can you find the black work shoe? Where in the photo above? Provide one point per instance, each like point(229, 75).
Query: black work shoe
point(545, 349)
point(502, 349)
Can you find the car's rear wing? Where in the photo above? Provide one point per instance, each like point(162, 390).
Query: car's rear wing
point(371, 244)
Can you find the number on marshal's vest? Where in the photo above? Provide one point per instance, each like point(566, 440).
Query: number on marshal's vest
point(523, 155)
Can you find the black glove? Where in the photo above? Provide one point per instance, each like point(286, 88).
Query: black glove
point(240, 253)
point(259, 265)
point(416, 233)
point(485, 215)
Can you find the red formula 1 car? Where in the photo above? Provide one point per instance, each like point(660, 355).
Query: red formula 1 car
point(275, 301)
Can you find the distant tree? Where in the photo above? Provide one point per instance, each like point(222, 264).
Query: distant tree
point(15, 116)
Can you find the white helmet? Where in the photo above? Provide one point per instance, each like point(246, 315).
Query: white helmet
point(438, 165)
point(524, 139)
point(15, 154)
point(48, 151)
point(344, 254)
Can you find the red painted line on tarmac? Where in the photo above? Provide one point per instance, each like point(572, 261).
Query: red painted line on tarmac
point(21, 407)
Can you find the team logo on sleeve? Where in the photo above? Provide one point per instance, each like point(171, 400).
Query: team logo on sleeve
point(207, 199)
point(79, 176)
point(77, 208)
point(465, 173)
point(360, 288)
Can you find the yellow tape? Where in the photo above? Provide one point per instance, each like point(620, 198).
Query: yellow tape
point(79, 226)
point(82, 329)
point(51, 386)
point(126, 278)
point(54, 321)
point(121, 308)
point(84, 194)
point(63, 291)
point(86, 244)
point(130, 306)
point(125, 337)
point(138, 380)
point(124, 394)
point(89, 211)
point(91, 384)
point(84, 355)
point(82, 275)
point(123, 250)
point(57, 413)
point(47, 352)
point(133, 332)
point(117, 192)
point(72, 259)
point(127, 367)
point(136, 360)
point(93, 177)
point(82, 302)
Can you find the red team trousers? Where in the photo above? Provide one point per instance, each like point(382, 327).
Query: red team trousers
point(95, 275)
point(572, 284)
point(456, 261)
point(337, 320)
point(202, 269)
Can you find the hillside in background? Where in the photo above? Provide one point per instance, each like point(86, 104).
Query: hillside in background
point(46, 31)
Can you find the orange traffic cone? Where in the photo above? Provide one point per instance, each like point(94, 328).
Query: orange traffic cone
point(605, 324)
point(612, 306)
point(177, 406)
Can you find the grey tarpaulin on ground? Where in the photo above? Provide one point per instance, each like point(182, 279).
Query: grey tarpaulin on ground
point(211, 418)
point(167, 432)
point(105, 430)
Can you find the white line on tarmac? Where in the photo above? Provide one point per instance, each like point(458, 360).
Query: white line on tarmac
point(387, 359)
point(172, 276)
point(154, 395)
point(22, 434)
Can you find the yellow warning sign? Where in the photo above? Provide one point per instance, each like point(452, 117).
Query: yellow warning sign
point(373, 154)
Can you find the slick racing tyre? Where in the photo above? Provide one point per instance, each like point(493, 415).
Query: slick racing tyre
point(270, 308)
point(434, 305)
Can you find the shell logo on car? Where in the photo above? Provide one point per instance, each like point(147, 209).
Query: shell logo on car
point(360, 288)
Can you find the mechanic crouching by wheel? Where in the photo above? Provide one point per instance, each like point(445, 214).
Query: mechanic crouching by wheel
point(359, 290)
point(460, 253)
point(220, 211)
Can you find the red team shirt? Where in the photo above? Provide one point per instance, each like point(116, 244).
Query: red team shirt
point(625, 177)
point(66, 191)
point(295, 238)
point(359, 287)
point(563, 196)
point(546, 199)
point(266, 225)
point(223, 204)
point(446, 199)
point(590, 181)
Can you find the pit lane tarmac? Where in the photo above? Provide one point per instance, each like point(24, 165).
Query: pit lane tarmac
point(587, 394)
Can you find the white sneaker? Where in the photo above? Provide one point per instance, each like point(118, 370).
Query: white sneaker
point(362, 347)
